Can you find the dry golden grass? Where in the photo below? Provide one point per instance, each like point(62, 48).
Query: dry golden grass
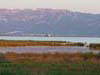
point(38, 43)
point(52, 58)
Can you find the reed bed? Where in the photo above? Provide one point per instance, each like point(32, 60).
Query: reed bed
point(49, 64)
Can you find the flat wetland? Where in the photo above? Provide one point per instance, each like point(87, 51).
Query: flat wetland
point(47, 58)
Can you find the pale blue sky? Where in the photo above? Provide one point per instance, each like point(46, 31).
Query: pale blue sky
point(75, 5)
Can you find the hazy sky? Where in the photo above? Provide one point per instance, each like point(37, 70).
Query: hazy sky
point(75, 5)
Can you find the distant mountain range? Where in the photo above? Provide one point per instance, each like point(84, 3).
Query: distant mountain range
point(49, 21)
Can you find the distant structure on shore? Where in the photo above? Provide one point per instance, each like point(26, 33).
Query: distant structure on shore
point(39, 35)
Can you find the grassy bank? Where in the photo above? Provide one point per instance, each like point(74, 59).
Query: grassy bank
point(49, 64)
point(37, 43)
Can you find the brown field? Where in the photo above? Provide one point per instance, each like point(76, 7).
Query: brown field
point(38, 43)
point(51, 57)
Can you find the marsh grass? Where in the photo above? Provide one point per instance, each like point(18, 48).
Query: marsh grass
point(49, 64)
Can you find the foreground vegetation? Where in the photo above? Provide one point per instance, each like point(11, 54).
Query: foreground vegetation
point(37, 43)
point(49, 64)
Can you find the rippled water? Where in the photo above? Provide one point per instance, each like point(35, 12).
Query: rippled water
point(46, 49)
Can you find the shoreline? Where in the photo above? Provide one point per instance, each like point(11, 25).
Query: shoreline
point(15, 43)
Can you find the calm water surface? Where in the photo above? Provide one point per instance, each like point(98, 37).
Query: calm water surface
point(46, 49)
point(70, 39)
